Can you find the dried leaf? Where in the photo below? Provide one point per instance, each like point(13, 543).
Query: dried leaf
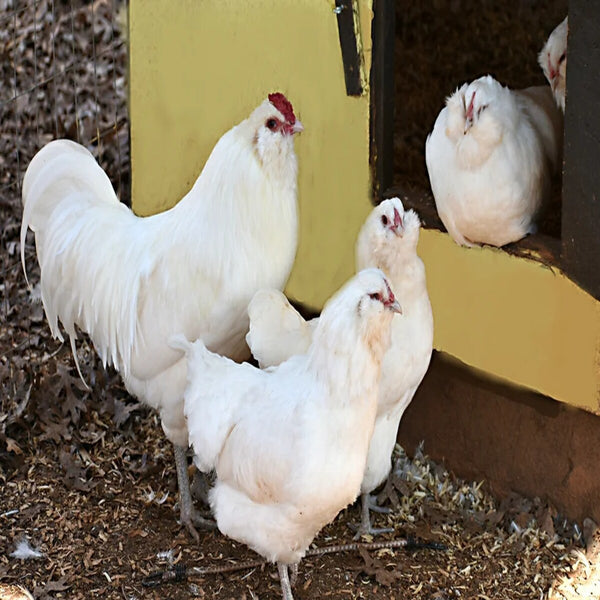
point(12, 446)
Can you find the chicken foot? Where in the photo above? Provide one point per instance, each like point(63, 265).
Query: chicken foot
point(369, 503)
point(189, 516)
point(200, 487)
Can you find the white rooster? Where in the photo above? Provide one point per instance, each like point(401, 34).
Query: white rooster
point(388, 241)
point(553, 60)
point(132, 282)
point(289, 443)
point(490, 158)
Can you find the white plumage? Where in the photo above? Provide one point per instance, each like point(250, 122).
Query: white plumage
point(277, 330)
point(490, 158)
point(289, 443)
point(132, 282)
point(387, 240)
point(553, 60)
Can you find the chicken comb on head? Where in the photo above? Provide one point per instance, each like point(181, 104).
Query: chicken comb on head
point(284, 106)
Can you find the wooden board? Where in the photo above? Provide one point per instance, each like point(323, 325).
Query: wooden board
point(382, 97)
point(581, 182)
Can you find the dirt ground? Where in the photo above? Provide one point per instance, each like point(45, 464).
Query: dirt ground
point(94, 491)
point(86, 475)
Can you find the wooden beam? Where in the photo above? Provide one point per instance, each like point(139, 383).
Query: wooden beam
point(347, 32)
point(382, 97)
point(581, 182)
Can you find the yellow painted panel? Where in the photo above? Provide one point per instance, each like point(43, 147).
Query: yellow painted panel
point(199, 67)
point(514, 318)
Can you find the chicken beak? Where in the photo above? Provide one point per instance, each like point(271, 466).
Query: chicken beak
point(395, 307)
point(297, 127)
point(469, 114)
point(398, 226)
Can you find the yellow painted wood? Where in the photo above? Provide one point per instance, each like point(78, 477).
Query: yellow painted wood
point(199, 67)
point(514, 318)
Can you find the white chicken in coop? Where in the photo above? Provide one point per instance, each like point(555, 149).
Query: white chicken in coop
point(289, 443)
point(131, 282)
point(553, 60)
point(388, 241)
point(490, 158)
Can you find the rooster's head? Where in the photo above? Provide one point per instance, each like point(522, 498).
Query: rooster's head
point(273, 126)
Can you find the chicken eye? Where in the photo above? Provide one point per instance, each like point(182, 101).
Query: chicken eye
point(481, 109)
point(384, 220)
point(562, 57)
point(376, 296)
point(271, 124)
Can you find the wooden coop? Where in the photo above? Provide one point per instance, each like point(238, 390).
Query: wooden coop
point(514, 387)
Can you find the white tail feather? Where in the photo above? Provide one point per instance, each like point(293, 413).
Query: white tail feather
point(89, 250)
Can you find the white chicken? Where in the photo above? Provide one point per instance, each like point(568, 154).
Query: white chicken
point(277, 330)
point(553, 60)
point(388, 241)
point(132, 282)
point(289, 443)
point(490, 158)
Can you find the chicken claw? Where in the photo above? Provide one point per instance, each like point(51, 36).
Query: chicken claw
point(369, 503)
point(189, 516)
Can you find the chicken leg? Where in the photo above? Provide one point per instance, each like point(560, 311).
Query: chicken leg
point(369, 503)
point(284, 579)
point(190, 517)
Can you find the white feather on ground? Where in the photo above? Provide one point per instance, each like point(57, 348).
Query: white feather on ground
point(289, 443)
point(24, 550)
point(388, 240)
point(553, 60)
point(490, 158)
point(132, 282)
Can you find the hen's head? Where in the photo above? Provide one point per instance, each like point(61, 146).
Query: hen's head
point(372, 294)
point(478, 97)
point(272, 127)
point(553, 60)
point(388, 231)
point(358, 316)
point(478, 112)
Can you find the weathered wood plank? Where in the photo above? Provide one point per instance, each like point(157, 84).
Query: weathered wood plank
point(581, 181)
point(350, 57)
point(382, 97)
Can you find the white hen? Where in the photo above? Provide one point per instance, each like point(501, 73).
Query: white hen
point(289, 443)
point(132, 282)
point(553, 60)
point(490, 158)
point(277, 330)
point(388, 241)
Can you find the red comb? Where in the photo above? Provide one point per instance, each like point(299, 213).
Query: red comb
point(284, 106)
point(397, 218)
point(470, 107)
point(391, 297)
